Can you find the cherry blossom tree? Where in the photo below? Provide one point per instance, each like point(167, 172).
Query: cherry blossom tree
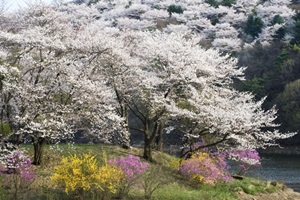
point(54, 89)
point(234, 121)
point(180, 80)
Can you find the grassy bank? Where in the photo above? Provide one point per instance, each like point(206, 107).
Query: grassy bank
point(163, 178)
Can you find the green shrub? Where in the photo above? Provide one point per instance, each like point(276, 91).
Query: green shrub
point(277, 19)
point(253, 26)
point(5, 129)
point(174, 9)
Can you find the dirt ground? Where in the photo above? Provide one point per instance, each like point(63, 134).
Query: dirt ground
point(286, 194)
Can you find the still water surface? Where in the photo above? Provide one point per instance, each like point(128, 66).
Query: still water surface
point(285, 168)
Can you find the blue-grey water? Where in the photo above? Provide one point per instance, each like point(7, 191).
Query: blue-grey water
point(281, 168)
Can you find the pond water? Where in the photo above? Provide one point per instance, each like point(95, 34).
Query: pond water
point(285, 168)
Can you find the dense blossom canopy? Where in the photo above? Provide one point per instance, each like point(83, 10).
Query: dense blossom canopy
point(73, 67)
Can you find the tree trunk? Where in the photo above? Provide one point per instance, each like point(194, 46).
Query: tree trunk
point(149, 140)
point(38, 144)
point(123, 109)
point(148, 149)
point(159, 141)
point(126, 137)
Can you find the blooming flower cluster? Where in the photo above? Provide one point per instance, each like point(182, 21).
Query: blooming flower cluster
point(205, 168)
point(18, 163)
point(246, 159)
point(131, 166)
point(5, 151)
point(77, 173)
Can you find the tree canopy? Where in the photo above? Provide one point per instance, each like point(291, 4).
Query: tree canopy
point(89, 66)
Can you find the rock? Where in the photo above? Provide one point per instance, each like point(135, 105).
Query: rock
point(274, 183)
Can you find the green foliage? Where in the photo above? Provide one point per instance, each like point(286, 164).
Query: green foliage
point(174, 9)
point(212, 3)
point(296, 32)
point(5, 129)
point(2, 191)
point(271, 69)
point(152, 180)
point(216, 4)
point(296, 29)
point(277, 19)
point(182, 192)
point(214, 20)
point(253, 26)
point(227, 3)
point(252, 186)
point(280, 33)
point(296, 48)
point(282, 58)
point(62, 98)
point(256, 86)
point(289, 103)
point(219, 191)
point(184, 104)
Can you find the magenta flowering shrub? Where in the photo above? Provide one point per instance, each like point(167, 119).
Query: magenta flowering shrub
point(18, 163)
point(17, 173)
point(204, 167)
point(131, 166)
point(247, 159)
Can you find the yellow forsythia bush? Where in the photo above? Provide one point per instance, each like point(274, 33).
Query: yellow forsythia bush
point(77, 173)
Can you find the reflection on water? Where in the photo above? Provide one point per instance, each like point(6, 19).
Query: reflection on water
point(285, 168)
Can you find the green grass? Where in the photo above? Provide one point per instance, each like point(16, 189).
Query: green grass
point(171, 184)
point(180, 192)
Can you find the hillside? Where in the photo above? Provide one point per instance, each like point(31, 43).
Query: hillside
point(171, 184)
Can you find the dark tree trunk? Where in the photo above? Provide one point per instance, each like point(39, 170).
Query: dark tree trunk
point(38, 145)
point(123, 111)
point(159, 139)
point(126, 142)
point(149, 140)
point(147, 150)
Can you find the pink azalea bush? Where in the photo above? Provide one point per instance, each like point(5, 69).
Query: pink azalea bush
point(18, 163)
point(17, 173)
point(246, 159)
point(204, 167)
point(133, 168)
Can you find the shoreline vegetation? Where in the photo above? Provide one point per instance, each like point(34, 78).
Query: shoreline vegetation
point(164, 181)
